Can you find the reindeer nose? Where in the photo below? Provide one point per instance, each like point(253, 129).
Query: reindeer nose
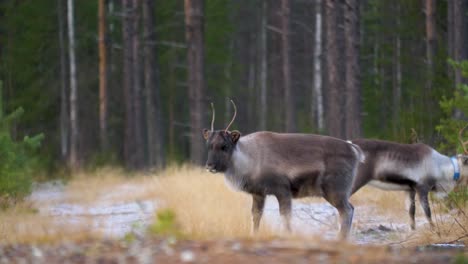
point(210, 167)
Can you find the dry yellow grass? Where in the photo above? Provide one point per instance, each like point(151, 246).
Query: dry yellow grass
point(21, 224)
point(205, 207)
point(448, 226)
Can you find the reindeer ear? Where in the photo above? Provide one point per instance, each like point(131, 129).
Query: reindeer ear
point(206, 133)
point(235, 135)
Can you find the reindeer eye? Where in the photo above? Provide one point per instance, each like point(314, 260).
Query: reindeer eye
point(224, 147)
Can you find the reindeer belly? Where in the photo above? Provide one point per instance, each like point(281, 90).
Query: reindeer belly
point(389, 186)
point(306, 184)
point(393, 181)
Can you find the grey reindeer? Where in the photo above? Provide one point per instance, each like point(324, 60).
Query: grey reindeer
point(286, 166)
point(415, 168)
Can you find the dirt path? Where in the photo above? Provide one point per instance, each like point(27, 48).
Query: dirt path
point(220, 251)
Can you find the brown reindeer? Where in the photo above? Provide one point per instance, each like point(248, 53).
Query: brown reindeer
point(415, 168)
point(287, 166)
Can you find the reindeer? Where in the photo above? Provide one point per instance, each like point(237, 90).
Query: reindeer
point(286, 166)
point(415, 168)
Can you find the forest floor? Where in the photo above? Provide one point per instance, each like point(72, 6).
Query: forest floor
point(105, 217)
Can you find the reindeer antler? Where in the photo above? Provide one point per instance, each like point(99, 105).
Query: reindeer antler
point(213, 117)
point(234, 117)
point(460, 135)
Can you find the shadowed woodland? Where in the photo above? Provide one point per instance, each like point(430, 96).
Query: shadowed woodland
point(130, 82)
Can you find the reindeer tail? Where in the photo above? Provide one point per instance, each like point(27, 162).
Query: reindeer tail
point(358, 151)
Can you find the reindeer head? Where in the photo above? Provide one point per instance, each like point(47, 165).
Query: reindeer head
point(221, 144)
point(463, 158)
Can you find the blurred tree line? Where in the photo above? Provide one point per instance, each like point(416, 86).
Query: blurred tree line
point(130, 81)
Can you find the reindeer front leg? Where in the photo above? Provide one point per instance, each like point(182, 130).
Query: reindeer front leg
point(258, 202)
point(412, 208)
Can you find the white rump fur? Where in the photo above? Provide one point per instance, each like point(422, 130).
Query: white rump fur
point(357, 151)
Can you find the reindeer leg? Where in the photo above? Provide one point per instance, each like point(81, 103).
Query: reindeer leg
point(346, 211)
point(285, 202)
point(423, 199)
point(412, 208)
point(258, 202)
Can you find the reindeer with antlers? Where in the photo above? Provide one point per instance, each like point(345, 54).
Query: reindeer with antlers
point(415, 168)
point(286, 166)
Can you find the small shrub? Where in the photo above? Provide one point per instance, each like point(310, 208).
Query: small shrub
point(166, 224)
point(16, 162)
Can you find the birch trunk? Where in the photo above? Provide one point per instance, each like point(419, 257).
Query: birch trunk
point(73, 158)
point(317, 96)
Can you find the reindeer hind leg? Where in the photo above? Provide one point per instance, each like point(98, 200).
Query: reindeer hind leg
point(424, 200)
point(285, 204)
point(345, 209)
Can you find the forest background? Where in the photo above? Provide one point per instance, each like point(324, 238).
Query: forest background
point(129, 82)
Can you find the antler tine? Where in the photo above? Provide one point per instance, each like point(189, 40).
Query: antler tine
point(234, 117)
point(213, 117)
point(460, 135)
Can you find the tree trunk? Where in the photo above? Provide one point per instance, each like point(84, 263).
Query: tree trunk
point(152, 89)
point(196, 79)
point(450, 36)
point(64, 124)
point(289, 104)
point(334, 118)
point(396, 93)
point(317, 96)
point(251, 74)
point(430, 6)
point(352, 75)
point(263, 66)
point(127, 32)
point(73, 158)
point(460, 52)
point(103, 137)
point(137, 89)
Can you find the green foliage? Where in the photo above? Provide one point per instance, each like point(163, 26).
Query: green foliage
point(457, 104)
point(459, 197)
point(385, 117)
point(16, 161)
point(166, 224)
point(461, 259)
